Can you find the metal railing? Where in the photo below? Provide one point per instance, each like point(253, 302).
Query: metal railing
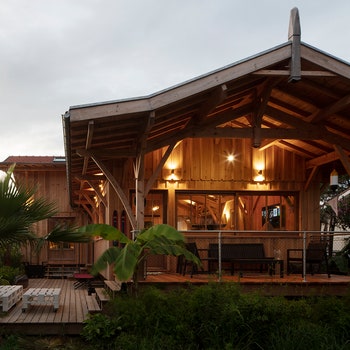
point(276, 243)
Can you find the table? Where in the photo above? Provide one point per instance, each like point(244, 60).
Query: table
point(41, 296)
point(82, 280)
point(9, 296)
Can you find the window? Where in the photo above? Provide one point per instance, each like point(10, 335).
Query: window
point(60, 245)
point(213, 210)
point(155, 210)
point(61, 222)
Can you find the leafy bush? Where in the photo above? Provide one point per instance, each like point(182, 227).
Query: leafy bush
point(8, 273)
point(218, 316)
point(11, 255)
point(100, 329)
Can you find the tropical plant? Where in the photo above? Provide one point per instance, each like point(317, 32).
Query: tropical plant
point(21, 209)
point(126, 260)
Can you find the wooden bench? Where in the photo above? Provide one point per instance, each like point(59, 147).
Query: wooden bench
point(112, 287)
point(101, 296)
point(244, 254)
point(92, 304)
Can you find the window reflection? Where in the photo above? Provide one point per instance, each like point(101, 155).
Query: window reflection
point(235, 211)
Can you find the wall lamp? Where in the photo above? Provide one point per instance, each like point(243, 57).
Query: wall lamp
point(259, 177)
point(333, 180)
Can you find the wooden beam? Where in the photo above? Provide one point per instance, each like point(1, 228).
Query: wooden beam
point(143, 135)
point(312, 128)
point(90, 178)
point(217, 96)
point(139, 170)
point(117, 188)
point(331, 109)
point(265, 133)
point(157, 171)
point(310, 178)
point(296, 149)
point(89, 136)
point(343, 157)
point(261, 103)
point(98, 193)
point(294, 34)
point(303, 73)
point(267, 144)
point(89, 200)
point(218, 119)
point(101, 153)
point(90, 213)
point(324, 159)
point(325, 61)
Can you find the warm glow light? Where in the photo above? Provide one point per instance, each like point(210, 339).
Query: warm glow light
point(189, 202)
point(260, 177)
point(230, 157)
point(172, 165)
point(155, 208)
point(172, 176)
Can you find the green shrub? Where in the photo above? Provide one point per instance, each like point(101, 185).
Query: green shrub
point(100, 330)
point(8, 273)
point(11, 256)
point(218, 316)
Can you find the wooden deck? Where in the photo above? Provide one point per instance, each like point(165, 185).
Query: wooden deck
point(41, 319)
point(290, 286)
point(73, 308)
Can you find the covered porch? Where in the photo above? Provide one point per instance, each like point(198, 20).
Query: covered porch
point(247, 147)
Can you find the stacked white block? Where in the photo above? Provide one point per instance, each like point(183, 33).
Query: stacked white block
point(9, 296)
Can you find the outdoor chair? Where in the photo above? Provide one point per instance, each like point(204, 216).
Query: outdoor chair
point(199, 253)
point(316, 257)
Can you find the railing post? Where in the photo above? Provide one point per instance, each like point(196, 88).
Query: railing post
point(304, 256)
point(219, 254)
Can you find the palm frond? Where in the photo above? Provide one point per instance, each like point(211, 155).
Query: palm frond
point(68, 234)
point(19, 210)
point(105, 231)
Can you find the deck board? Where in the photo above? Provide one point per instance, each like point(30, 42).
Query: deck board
point(69, 318)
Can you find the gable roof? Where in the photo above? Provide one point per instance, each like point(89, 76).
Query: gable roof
point(292, 96)
point(26, 162)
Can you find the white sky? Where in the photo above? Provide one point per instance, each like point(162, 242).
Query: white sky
point(59, 53)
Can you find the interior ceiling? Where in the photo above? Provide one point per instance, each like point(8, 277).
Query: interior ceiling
point(250, 99)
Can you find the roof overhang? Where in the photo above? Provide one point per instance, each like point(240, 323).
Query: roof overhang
point(256, 98)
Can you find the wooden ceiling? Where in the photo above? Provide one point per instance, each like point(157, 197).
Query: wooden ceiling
point(292, 96)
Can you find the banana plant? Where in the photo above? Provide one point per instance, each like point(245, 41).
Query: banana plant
point(127, 258)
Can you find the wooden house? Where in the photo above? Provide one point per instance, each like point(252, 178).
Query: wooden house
point(48, 176)
point(246, 147)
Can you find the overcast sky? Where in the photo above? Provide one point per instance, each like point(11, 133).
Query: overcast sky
point(59, 53)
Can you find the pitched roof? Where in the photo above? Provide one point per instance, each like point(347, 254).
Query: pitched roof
point(33, 161)
point(292, 96)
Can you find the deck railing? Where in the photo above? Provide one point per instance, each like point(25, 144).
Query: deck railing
point(276, 243)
